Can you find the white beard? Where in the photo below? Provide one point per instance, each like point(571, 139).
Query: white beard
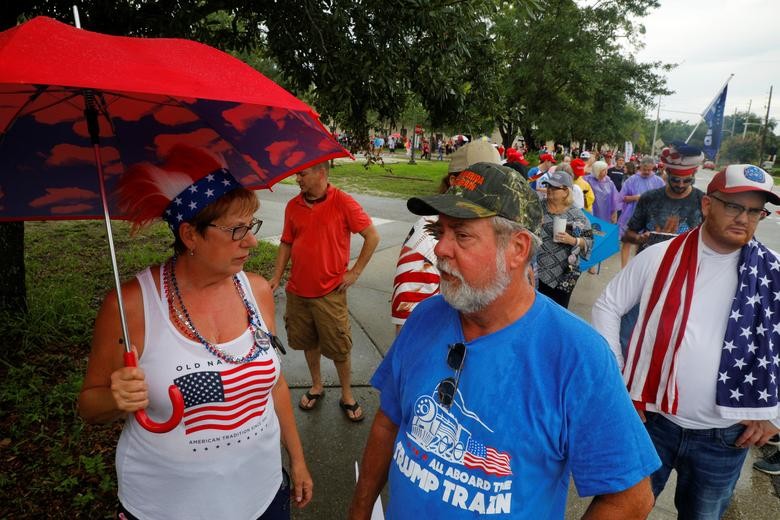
point(467, 298)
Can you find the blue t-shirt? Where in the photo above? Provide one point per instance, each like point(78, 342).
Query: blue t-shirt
point(537, 401)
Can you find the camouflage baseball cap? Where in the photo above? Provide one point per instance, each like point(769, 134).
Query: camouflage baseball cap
point(485, 190)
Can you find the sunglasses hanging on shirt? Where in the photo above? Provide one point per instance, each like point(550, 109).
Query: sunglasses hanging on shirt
point(448, 387)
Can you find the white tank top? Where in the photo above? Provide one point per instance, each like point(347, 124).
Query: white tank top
point(224, 458)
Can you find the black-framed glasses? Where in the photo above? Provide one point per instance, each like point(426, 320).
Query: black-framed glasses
point(680, 180)
point(239, 232)
point(735, 210)
point(448, 387)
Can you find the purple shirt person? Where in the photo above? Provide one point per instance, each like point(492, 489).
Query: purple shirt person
point(634, 187)
point(607, 201)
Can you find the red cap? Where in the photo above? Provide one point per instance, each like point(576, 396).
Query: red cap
point(738, 178)
point(547, 157)
point(513, 155)
point(578, 167)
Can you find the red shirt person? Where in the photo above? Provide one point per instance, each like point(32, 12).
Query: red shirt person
point(318, 224)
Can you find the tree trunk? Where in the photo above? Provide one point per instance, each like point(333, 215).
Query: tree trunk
point(508, 134)
point(12, 286)
point(530, 139)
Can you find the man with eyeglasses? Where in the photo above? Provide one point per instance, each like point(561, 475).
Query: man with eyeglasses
point(318, 224)
point(703, 361)
point(493, 396)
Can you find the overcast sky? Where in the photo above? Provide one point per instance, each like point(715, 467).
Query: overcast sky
point(710, 39)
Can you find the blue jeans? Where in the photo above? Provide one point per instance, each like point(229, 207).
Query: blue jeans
point(707, 464)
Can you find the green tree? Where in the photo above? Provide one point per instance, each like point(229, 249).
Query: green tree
point(740, 149)
point(364, 57)
point(754, 123)
point(565, 73)
point(671, 130)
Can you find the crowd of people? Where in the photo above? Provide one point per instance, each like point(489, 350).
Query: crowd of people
point(493, 394)
point(655, 313)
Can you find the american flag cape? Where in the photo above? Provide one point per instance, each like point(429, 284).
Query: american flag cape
point(226, 400)
point(651, 363)
point(489, 460)
point(750, 356)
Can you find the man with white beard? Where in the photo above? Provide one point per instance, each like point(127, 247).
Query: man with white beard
point(492, 396)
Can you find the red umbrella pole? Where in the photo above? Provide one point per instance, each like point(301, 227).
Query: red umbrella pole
point(90, 112)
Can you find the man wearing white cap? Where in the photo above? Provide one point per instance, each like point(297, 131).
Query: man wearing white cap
point(704, 358)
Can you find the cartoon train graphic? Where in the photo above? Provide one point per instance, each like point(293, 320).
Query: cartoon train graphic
point(436, 430)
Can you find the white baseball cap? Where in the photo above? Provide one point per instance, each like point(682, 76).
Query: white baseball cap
point(738, 178)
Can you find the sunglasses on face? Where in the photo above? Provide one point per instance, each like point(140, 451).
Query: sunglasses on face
point(239, 232)
point(680, 180)
point(735, 210)
point(448, 387)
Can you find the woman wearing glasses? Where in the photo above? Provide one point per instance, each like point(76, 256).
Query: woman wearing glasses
point(566, 236)
point(201, 323)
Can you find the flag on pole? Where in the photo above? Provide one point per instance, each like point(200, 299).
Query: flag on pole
point(713, 116)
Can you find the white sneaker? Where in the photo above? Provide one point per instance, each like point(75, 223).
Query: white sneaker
point(775, 440)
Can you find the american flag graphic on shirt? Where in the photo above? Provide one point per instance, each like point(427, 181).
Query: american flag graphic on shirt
point(479, 456)
point(226, 400)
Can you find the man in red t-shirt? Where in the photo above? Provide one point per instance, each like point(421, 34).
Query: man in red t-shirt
point(318, 224)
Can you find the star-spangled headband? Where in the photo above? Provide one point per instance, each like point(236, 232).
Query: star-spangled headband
point(197, 196)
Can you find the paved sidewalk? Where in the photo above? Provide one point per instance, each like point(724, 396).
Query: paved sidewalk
point(333, 444)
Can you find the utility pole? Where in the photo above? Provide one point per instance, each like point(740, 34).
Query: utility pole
point(747, 118)
point(734, 122)
point(766, 127)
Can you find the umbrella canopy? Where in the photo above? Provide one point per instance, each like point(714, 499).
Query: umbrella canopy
point(605, 241)
point(149, 94)
point(76, 107)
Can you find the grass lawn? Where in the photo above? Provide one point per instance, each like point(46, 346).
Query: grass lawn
point(400, 180)
point(52, 465)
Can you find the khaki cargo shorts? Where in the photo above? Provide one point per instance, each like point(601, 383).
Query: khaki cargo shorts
point(319, 322)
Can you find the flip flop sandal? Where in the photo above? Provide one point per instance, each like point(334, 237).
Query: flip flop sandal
point(313, 401)
point(354, 407)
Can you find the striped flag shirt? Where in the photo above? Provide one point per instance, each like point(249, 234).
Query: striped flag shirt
point(416, 275)
point(226, 400)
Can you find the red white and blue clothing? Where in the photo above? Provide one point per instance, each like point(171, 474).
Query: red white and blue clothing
point(416, 275)
point(694, 369)
point(703, 357)
point(224, 459)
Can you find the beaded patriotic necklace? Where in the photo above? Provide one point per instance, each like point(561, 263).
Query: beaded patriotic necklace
point(261, 341)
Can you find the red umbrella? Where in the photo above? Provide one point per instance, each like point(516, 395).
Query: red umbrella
point(77, 106)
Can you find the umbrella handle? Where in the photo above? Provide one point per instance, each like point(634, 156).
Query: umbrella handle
point(176, 400)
